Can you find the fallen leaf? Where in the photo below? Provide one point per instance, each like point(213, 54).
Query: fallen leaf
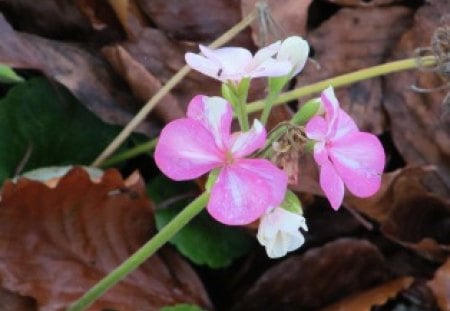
point(58, 242)
point(79, 69)
point(377, 296)
point(289, 17)
point(317, 278)
point(339, 49)
point(143, 84)
point(440, 286)
point(364, 3)
point(14, 302)
point(195, 20)
point(421, 132)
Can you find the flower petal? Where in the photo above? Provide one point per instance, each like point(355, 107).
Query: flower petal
point(295, 50)
point(204, 65)
point(316, 128)
point(331, 105)
point(245, 190)
point(186, 150)
point(232, 60)
point(344, 125)
point(359, 159)
point(331, 184)
point(244, 143)
point(271, 68)
point(266, 53)
point(215, 114)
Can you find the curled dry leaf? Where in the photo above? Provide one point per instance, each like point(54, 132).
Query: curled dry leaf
point(440, 286)
point(340, 49)
point(287, 17)
point(82, 71)
point(377, 296)
point(420, 129)
point(317, 278)
point(58, 242)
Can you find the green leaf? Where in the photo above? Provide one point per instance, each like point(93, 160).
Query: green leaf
point(42, 124)
point(204, 240)
point(8, 75)
point(182, 307)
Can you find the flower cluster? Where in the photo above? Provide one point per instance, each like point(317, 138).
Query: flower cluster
point(244, 187)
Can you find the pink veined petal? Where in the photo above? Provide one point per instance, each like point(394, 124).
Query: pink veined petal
point(270, 68)
point(320, 153)
point(331, 106)
point(203, 65)
point(266, 53)
point(186, 150)
point(344, 125)
point(232, 60)
point(215, 114)
point(331, 184)
point(244, 143)
point(316, 128)
point(359, 159)
point(245, 190)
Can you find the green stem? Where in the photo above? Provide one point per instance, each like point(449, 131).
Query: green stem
point(242, 93)
point(268, 103)
point(345, 79)
point(146, 147)
point(142, 254)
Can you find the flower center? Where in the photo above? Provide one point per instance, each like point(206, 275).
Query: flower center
point(229, 159)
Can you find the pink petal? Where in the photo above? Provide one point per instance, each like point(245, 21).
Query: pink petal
point(331, 105)
point(271, 68)
point(316, 128)
point(186, 150)
point(320, 153)
point(215, 114)
point(232, 60)
point(245, 190)
point(344, 125)
point(331, 184)
point(244, 143)
point(359, 159)
point(204, 65)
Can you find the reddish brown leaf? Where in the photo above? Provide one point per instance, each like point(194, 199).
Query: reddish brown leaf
point(440, 286)
point(420, 129)
point(317, 278)
point(80, 70)
point(290, 18)
point(13, 302)
point(376, 296)
point(354, 39)
point(58, 242)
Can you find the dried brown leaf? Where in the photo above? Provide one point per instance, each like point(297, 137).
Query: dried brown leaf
point(58, 242)
point(376, 296)
point(352, 39)
point(317, 278)
point(143, 84)
point(82, 71)
point(420, 129)
point(440, 286)
point(13, 302)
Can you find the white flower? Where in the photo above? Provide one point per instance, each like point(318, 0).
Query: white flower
point(235, 63)
point(294, 50)
point(279, 232)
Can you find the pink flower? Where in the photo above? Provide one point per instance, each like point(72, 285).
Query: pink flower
point(235, 63)
point(193, 146)
point(345, 155)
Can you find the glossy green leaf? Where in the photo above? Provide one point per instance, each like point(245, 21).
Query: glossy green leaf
point(204, 240)
point(42, 124)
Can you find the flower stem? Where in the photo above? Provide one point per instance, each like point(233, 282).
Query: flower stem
point(146, 147)
point(345, 79)
point(142, 254)
point(338, 81)
point(242, 94)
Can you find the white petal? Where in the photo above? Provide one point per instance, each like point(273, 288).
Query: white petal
point(295, 50)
